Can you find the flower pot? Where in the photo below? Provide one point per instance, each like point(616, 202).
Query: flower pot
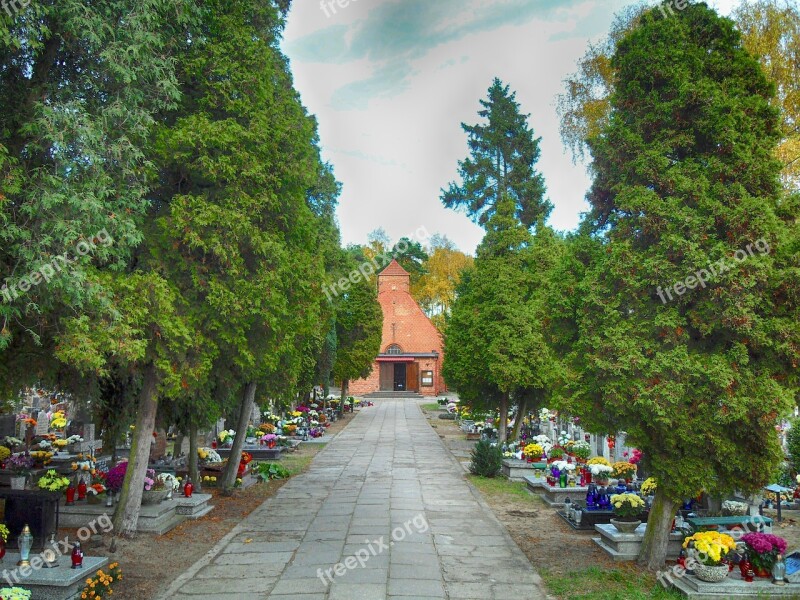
point(711, 574)
point(625, 526)
point(153, 496)
point(762, 572)
point(17, 482)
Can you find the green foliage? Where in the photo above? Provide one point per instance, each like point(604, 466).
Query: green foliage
point(793, 443)
point(266, 471)
point(503, 153)
point(685, 177)
point(80, 85)
point(487, 460)
point(359, 322)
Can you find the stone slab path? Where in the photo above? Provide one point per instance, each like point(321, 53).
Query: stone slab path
point(382, 512)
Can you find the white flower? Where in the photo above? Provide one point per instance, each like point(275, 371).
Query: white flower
point(600, 469)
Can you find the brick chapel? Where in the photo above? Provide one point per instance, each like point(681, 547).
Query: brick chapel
point(411, 354)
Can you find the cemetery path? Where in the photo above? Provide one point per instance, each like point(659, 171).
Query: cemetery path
point(383, 512)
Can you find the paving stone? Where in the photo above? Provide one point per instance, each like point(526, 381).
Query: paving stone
point(416, 587)
point(385, 470)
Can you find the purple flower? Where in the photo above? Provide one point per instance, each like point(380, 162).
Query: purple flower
point(764, 543)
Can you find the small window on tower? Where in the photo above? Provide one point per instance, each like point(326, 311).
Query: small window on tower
point(394, 349)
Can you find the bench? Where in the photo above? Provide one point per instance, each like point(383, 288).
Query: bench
point(749, 523)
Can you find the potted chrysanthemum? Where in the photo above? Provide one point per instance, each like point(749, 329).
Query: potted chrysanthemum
point(627, 508)
point(707, 553)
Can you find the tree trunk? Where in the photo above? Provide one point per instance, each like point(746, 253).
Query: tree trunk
point(522, 409)
point(345, 388)
point(126, 515)
point(502, 431)
point(176, 448)
point(653, 553)
point(194, 471)
point(231, 469)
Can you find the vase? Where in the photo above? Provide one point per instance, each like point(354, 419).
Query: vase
point(18, 482)
point(625, 526)
point(711, 574)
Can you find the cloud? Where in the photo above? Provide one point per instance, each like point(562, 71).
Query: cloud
point(394, 34)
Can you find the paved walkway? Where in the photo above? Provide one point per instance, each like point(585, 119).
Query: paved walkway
point(385, 494)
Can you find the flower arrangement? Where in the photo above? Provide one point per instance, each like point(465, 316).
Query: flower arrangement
point(100, 585)
point(269, 437)
point(116, 475)
point(20, 464)
point(53, 482)
point(12, 441)
point(208, 455)
point(58, 420)
point(267, 428)
point(41, 456)
point(556, 452)
point(151, 482)
point(4, 532)
point(15, 593)
point(598, 460)
point(96, 489)
point(734, 508)
point(209, 480)
point(581, 450)
point(226, 435)
point(627, 506)
point(246, 458)
point(270, 418)
point(634, 456)
point(563, 465)
point(563, 438)
point(763, 549)
point(623, 470)
point(712, 546)
point(4, 453)
point(169, 480)
point(533, 450)
point(600, 471)
point(543, 441)
point(289, 429)
point(649, 486)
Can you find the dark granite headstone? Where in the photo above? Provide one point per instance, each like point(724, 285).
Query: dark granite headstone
point(8, 426)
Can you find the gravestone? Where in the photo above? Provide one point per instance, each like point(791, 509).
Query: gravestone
point(42, 423)
point(8, 426)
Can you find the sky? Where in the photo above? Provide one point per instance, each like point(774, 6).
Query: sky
point(391, 81)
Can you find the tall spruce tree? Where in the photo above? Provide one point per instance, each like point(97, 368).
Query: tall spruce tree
point(503, 155)
point(687, 316)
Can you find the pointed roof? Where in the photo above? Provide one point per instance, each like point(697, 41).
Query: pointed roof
point(394, 268)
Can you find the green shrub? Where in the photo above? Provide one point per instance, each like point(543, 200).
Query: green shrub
point(793, 443)
point(270, 470)
point(486, 459)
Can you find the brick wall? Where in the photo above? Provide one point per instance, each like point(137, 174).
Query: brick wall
point(406, 325)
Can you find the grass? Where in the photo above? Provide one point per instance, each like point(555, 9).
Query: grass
point(297, 463)
point(503, 489)
point(432, 407)
point(596, 583)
